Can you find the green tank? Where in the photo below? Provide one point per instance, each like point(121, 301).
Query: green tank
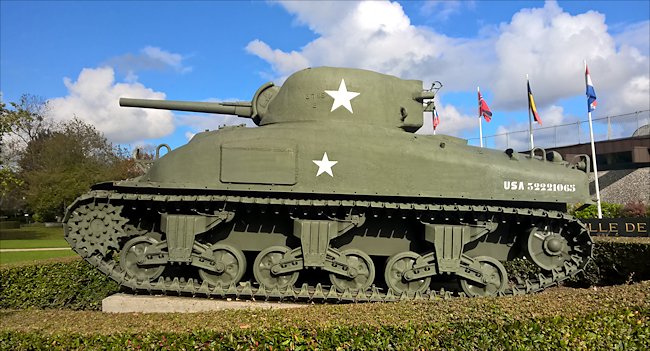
point(333, 197)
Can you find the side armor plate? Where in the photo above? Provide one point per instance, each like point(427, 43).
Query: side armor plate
point(243, 163)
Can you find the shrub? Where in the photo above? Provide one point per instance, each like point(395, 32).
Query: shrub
point(609, 210)
point(78, 286)
point(72, 285)
point(38, 218)
point(626, 329)
point(634, 209)
point(616, 261)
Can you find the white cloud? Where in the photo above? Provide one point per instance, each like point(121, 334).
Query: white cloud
point(168, 58)
point(636, 92)
point(280, 61)
point(635, 35)
point(514, 137)
point(320, 16)
point(452, 122)
point(94, 97)
point(371, 35)
point(149, 58)
point(202, 122)
point(552, 115)
point(550, 45)
point(546, 43)
point(549, 134)
point(443, 10)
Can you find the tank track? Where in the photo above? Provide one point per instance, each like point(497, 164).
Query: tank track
point(78, 239)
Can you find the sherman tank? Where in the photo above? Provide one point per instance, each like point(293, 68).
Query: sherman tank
point(333, 197)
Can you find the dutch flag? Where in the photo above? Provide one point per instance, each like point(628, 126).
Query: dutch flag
point(591, 93)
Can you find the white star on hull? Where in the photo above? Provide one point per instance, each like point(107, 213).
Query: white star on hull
point(325, 165)
point(342, 97)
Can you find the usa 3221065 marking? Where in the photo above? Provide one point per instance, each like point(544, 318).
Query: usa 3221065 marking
point(515, 185)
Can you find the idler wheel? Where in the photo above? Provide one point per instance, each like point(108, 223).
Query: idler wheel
point(361, 268)
point(134, 250)
point(547, 249)
point(495, 277)
point(394, 274)
point(230, 266)
point(264, 261)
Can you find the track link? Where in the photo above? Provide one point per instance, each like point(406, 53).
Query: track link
point(76, 237)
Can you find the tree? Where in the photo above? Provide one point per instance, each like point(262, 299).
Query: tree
point(61, 164)
point(19, 124)
point(46, 165)
point(11, 192)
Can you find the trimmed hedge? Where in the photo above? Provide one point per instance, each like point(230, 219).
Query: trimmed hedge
point(616, 317)
point(78, 286)
point(72, 284)
point(627, 329)
point(616, 260)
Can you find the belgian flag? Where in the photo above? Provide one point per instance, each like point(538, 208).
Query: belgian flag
point(531, 104)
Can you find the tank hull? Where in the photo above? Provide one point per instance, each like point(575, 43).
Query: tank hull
point(369, 161)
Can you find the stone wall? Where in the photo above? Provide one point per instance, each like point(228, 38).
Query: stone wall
point(623, 186)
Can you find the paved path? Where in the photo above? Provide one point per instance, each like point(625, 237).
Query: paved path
point(37, 249)
point(128, 303)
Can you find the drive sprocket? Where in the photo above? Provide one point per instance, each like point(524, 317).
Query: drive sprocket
point(96, 228)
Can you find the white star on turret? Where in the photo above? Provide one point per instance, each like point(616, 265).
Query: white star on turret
point(342, 97)
point(325, 165)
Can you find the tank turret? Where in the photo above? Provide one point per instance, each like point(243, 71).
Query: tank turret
point(320, 94)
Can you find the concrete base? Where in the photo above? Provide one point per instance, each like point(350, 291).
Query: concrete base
point(125, 303)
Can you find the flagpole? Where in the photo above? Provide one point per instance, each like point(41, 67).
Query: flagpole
point(480, 124)
point(480, 130)
point(593, 158)
point(530, 120)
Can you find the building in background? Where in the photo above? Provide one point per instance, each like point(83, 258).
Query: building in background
point(623, 166)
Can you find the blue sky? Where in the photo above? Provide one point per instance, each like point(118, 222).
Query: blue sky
point(82, 56)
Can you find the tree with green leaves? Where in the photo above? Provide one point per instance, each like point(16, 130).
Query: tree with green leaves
point(20, 123)
point(50, 164)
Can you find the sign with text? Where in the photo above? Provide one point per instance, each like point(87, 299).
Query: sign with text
point(618, 226)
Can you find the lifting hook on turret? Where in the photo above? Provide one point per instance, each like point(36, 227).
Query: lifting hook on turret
point(426, 96)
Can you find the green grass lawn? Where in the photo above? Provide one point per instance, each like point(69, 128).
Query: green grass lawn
point(31, 244)
point(31, 238)
point(27, 256)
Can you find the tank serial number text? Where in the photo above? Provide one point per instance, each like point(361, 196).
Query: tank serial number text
point(517, 185)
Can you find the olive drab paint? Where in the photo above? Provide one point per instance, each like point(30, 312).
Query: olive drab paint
point(334, 179)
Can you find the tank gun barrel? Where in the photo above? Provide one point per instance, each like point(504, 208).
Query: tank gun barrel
point(241, 109)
